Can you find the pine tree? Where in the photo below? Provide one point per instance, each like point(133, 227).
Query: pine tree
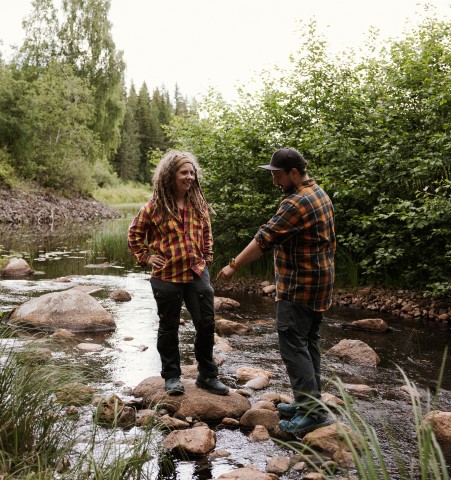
point(181, 103)
point(127, 158)
point(147, 120)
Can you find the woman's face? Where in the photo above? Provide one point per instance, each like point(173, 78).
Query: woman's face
point(184, 178)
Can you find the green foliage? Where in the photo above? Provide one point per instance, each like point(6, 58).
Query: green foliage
point(87, 45)
point(103, 174)
point(376, 133)
point(29, 433)
point(64, 146)
point(64, 88)
point(6, 169)
point(230, 144)
point(123, 193)
point(126, 160)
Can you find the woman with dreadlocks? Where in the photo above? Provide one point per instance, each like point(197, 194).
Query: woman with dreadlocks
point(172, 235)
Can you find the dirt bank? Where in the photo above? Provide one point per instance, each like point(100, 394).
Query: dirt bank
point(44, 208)
point(407, 304)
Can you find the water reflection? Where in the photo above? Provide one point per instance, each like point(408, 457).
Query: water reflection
point(130, 353)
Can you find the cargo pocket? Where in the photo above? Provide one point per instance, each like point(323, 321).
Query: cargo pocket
point(285, 316)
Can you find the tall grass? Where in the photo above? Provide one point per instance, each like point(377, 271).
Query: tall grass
point(347, 270)
point(110, 242)
point(39, 441)
point(31, 437)
point(371, 463)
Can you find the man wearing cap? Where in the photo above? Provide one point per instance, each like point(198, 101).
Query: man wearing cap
point(302, 236)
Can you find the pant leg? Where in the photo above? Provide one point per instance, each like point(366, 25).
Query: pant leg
point(199, 300)
point(298, 331)
point(168, 297)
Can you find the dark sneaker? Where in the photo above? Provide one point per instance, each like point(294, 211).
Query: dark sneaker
point(301, 424)
point(288, 409)
point(213, 385)
point(174, 386)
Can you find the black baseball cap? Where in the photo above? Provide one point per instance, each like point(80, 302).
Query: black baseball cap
point(286, 159)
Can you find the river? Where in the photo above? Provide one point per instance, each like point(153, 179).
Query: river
point(417, 348)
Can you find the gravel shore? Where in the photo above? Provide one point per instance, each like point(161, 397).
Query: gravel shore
point(406, 304)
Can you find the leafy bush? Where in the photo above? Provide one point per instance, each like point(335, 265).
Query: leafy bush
point(376, 133)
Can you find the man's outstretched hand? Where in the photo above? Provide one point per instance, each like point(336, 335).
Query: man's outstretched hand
point(226, 273)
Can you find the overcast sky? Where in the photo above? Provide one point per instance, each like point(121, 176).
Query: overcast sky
point(221, 43)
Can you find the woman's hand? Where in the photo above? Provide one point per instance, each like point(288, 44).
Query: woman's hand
point(157, 261)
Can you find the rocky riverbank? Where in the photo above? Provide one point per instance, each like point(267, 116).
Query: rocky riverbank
point(406, 304)
point(19, 207)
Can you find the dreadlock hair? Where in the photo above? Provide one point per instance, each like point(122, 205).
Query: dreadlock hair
point(163, 180)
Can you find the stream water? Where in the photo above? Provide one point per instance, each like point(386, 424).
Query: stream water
point(416, 348)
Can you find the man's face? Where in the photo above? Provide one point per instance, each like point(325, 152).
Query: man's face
point(283, 180)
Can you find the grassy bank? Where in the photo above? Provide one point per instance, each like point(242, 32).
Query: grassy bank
point(123, 194)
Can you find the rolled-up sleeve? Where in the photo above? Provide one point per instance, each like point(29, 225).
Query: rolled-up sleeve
point(282, 226)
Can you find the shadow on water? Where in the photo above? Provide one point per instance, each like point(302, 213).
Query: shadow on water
point(130, 354)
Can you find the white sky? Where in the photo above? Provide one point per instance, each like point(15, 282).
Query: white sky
point(223, 43)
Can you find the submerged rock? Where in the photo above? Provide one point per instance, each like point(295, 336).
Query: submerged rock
point(16, 267)
point(120, 295)
point(248, 373)
point(260, 416)
point(246, 473)
point(368, 324)
point(229, 327)
point(259, 434)
point(224, 303)
point(333, 438)
point(278, 465)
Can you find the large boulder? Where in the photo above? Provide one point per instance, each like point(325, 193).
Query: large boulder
point(16, 267)
point(195, 402)
point(355, 351)
point(71, 309)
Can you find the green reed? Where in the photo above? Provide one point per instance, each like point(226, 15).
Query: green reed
point(110, 243)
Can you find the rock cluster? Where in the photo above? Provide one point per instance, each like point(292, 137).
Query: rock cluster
point(406, 304)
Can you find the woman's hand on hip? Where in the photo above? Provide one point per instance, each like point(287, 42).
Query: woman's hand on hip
point(157, 261)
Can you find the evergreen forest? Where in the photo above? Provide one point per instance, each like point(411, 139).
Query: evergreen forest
point(374, 126)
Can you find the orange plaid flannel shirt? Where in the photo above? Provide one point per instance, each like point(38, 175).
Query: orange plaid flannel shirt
point(302, 235)
point(186, 245)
